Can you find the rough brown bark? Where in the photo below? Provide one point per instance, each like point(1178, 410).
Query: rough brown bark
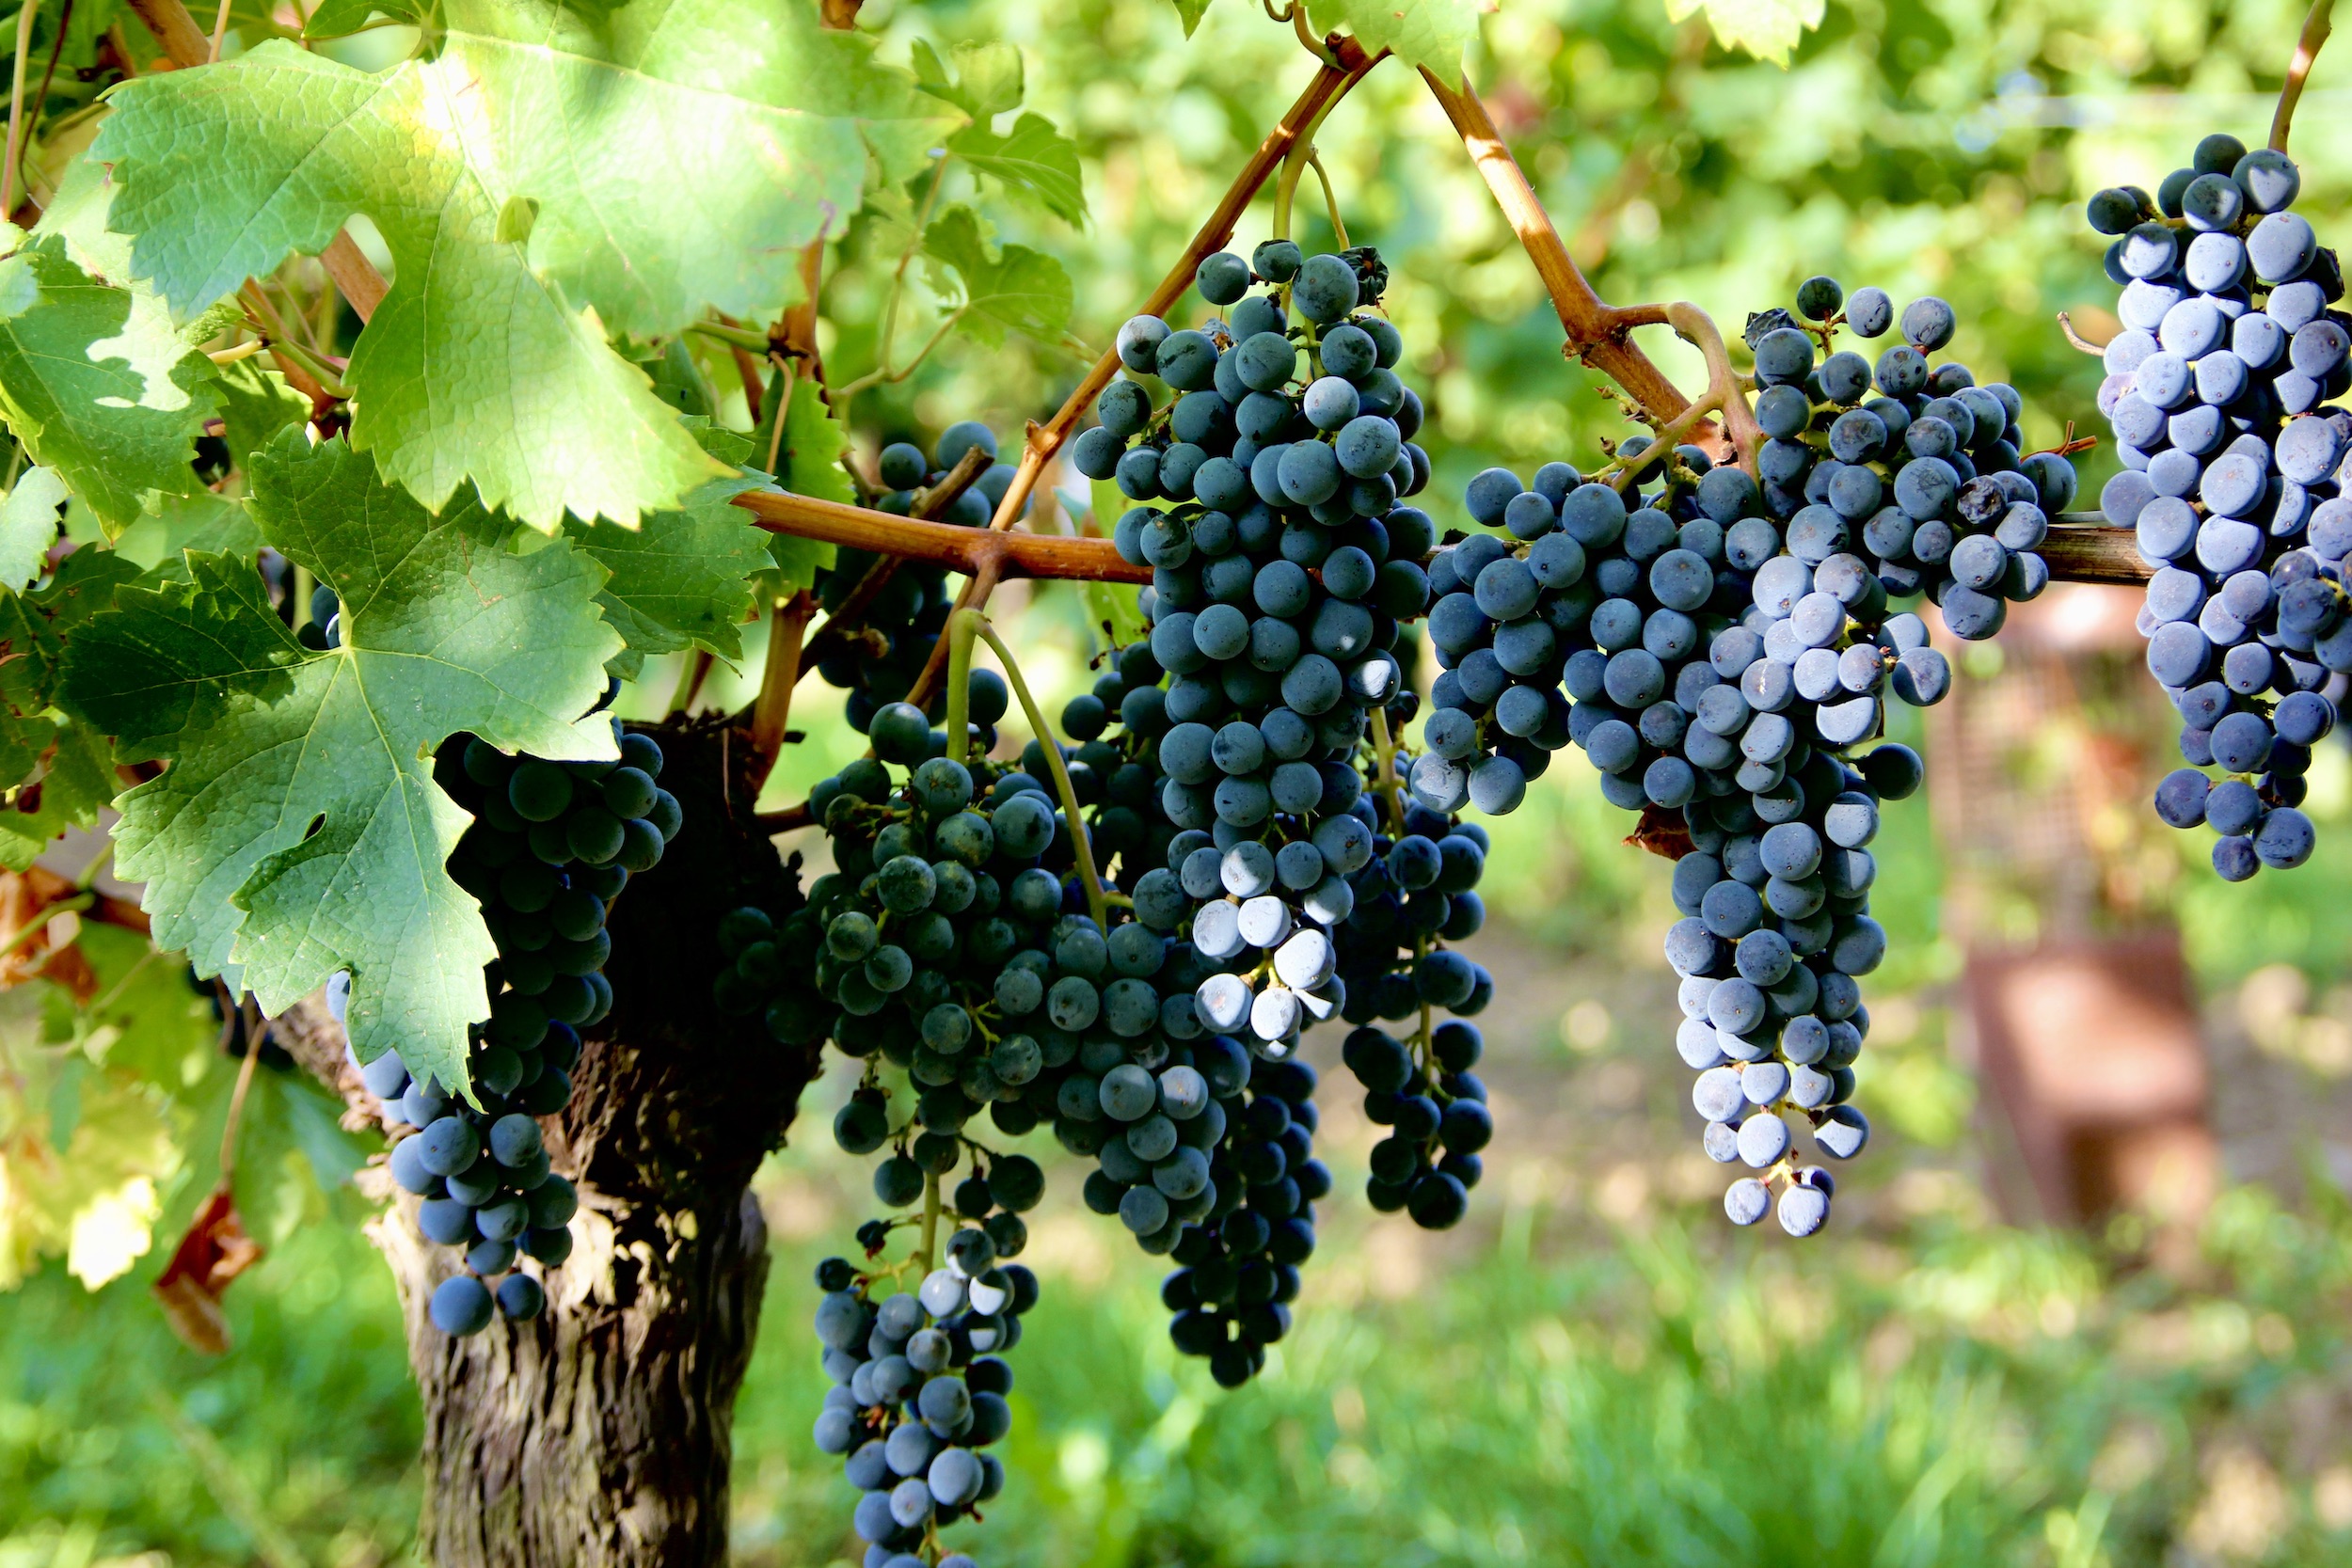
point(598, 1434)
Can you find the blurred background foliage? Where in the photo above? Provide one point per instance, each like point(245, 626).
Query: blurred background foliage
point(1594, 1370)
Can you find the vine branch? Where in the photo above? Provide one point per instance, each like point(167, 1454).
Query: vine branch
point(2315, 29)
point(1597, 332)
point(969, 550)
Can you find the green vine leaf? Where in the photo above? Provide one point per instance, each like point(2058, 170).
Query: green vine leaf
point(986, 82)
point(1767, 29)
point(1428, 34)
point(1191, 11)
point(680, 156)
point(158, 543)
point(255, 405)
point(63, 771)
point(683, 579)
point(298, 830)
point(1016, 290)
point(102, 392)
point(77, 777)
point(808, 463)
point(1033, 161)
point(28, 526)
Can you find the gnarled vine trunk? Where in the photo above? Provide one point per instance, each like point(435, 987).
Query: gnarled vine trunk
point(598, 1436)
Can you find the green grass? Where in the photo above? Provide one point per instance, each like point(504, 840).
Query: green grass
point(1541, 1392)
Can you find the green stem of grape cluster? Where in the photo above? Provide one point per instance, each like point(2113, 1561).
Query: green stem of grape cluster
point(961, 628)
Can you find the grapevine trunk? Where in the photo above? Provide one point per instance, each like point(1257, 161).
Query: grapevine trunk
point(600, 1434)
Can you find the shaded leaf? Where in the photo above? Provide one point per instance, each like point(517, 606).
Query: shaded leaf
point(298, 830)
point(684, 577)
point(1033, 161)
point(108, 397)
point(985, 82)
point(1018, 289)
point(255, 405)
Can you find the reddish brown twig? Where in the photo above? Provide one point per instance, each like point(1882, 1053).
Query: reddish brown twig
point(772, 713)
point(1597, 332)
point(986, 555)
point(844, 621)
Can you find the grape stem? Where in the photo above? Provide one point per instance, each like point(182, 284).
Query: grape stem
point(930, 1220)
point(1597, 332)
point(1384, 781)
point(1726, 394)
point(2075, 340)
point(773, 712)
point(961, 628)
point(1096, 904)
point(2315, 29)
point(16, 108)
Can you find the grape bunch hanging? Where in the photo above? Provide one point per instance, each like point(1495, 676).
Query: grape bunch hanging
point(552, 844)
point(901, 624)
point(1722, 650)
point(2233, 483)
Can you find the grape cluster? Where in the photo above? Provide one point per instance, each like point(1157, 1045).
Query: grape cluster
point(1716, 678)
point(1416, 893)
point(1034, 1011)
point(1923, 481)
point(919, 1392)
point(904, 620)
point(2233, 481)
point(1281, 576)
point(1238, 1265)
point(551, 845)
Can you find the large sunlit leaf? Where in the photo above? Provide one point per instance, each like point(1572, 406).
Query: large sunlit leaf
point(298, 830)
point(1769, 29)
point(1429, 34)
point(549, 174)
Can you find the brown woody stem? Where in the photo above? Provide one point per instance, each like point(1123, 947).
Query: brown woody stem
point(772, 713)
point(1597, 332)
point(963, 550)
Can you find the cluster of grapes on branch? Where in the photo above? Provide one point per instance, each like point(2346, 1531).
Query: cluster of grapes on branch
point(1720, 649)
point(917, 1397)
point(551, 845)
point(2233, 482)
point(887, 613)
point(1283, 577)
